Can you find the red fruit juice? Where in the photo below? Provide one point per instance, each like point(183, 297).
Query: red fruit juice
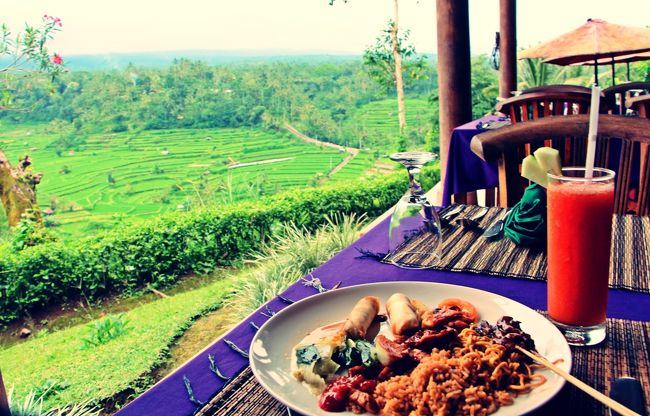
point(579, 242)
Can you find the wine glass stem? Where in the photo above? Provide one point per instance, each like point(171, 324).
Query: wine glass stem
point(417, 195)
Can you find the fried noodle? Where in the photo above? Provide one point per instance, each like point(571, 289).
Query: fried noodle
point(474, 377)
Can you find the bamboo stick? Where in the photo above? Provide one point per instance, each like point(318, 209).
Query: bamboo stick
point(607, 401)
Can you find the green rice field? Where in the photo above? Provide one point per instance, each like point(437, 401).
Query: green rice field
point(118, 176)
point(378, 120)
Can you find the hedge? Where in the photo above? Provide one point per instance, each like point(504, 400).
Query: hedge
point(159, 250)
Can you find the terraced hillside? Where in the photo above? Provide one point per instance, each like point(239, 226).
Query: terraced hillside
point(129, 175)
point(379, 126)
point(362, 163)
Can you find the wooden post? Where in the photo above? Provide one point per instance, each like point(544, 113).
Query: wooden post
point(454, 73)
point(508, 47)
point(4, 401)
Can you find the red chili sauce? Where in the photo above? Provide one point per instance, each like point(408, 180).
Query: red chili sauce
point(335, 396)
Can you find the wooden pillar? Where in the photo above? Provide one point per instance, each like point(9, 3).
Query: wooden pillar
point(454, 73)
point(508, 48)
point(4, 403)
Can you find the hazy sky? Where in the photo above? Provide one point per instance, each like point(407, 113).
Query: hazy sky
point(95, 26)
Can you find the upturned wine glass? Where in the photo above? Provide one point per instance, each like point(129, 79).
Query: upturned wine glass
point(413, 216)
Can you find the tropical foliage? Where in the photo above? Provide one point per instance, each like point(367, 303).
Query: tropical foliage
point(158, 251)
point(535, 73)
point(111, 372)
point(26, 52)
point(315, 98)
point(380, 63)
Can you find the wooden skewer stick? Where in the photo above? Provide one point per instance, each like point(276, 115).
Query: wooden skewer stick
point(607, 401)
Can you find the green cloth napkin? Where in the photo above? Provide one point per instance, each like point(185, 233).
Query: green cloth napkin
point(526, 223)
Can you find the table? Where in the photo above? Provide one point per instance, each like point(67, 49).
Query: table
point(170, 397)
point(465, 171)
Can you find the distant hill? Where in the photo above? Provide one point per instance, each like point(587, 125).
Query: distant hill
point(161, 59)
point(92, 62)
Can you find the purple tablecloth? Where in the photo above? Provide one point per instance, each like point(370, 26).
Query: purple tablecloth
point(465, 171)
point(169, 397)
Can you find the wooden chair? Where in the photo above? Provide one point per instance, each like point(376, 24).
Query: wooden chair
point(623, 144)
point(535, 105)
point(617, 95)
point(640, 105)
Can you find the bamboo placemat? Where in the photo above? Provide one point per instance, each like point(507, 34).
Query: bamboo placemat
point(243, 396)
point(624, 353)
point(631, 253)
point(466, 251)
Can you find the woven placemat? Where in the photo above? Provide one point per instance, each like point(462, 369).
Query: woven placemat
point(631, 253)
point(243, 396)
point(465, 250)
point(624, 353)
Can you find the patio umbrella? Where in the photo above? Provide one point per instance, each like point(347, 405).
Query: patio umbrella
point(595, 41)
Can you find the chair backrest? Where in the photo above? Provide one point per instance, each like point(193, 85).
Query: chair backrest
point(623, 145)
point(535, 105)
point(618, 94)
point(640, 104)
point(558, 88)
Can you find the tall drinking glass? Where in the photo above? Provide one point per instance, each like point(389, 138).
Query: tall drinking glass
point(579, 241)
point(414, 214)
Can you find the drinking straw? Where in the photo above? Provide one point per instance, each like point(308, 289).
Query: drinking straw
point(593, 131)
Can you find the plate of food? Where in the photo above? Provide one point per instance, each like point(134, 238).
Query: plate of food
point(401, 347)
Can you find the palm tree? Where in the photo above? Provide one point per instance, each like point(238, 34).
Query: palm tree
point(535, 73)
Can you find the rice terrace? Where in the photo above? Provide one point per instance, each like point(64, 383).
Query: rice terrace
point(114, 175)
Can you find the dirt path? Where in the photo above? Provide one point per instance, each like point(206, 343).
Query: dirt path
point(259, 162)
point(351, 150)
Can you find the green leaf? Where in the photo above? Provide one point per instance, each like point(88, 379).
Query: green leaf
point(367, 352)
point(307, 354)
point(347, 356)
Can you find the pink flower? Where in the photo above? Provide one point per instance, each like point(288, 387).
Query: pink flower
point(56, 59)
point(54, 20)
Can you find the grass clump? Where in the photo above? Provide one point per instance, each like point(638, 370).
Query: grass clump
point(292, 254)
point(105, 330)
point(32, 405)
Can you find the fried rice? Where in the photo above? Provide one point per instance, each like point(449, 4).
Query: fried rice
point(474, 378)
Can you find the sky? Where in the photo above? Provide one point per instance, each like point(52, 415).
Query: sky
point(292, 26)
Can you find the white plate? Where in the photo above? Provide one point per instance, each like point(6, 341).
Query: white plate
point(271, 346)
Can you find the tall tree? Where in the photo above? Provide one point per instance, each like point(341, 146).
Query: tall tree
point(377, 57)
point(381, 64)
point(25, 54)
point(399, 82)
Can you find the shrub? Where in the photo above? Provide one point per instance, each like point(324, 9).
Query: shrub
point(159, 250)
point(430, 175)
point(29, 233)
